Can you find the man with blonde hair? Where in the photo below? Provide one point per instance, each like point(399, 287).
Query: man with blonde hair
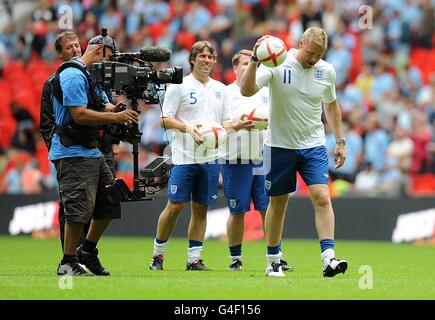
point(300, 89)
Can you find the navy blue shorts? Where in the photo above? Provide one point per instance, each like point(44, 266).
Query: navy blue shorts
point(196, 182)
point(312, 165)
point(241, 185)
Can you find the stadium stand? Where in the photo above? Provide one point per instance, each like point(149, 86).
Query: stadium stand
point(395, 55)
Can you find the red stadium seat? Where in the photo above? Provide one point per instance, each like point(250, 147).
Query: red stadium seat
point(127, 177)
point(8, 125)
point(253, 225)
point(185, 39)
point(229, 76)
point(13, 67)
point(36, 66)
point(419, 58)
point(42, 156)
point(423, 184)
point(155, 30)
point(54, 66)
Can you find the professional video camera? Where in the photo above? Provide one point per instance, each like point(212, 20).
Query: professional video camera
point(132, 74)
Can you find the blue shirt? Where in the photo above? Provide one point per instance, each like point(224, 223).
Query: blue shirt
point(354, 147)
point(75, 88)
point(375, 146)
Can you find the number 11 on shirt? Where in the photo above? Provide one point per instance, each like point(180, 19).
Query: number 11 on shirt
point(287, 76)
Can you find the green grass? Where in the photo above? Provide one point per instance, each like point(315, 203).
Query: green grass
point(28, 267)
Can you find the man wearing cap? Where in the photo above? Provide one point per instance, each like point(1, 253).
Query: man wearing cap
point(67, 46)
point(82, 172)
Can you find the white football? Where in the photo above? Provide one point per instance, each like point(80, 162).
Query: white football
point(259, 116)
point(213, 135)
point(272, 52)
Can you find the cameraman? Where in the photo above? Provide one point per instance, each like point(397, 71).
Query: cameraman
point(67, 47)
point(82, 172)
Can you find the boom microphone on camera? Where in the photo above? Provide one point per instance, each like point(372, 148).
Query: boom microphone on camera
point(155, 54)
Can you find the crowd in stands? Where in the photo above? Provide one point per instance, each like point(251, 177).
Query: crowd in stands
point(382, 51)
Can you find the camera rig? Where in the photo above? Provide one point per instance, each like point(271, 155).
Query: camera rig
point(132, 74)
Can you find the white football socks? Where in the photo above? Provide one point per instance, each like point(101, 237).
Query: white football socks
point(236, 258)
point(160, 248)
point(270, 258)
point(194, 253)
point(327, 255)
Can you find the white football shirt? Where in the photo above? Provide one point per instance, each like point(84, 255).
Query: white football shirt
point(245, 144)
point(195, 103)
point(296, 96)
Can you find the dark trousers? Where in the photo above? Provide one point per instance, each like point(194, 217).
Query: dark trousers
point(110, 161)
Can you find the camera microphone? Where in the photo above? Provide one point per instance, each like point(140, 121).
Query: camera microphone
point(155, 54)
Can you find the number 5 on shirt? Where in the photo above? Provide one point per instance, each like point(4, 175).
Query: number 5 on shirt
point(192, 98)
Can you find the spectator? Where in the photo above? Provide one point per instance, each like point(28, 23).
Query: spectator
point(383, 83)
point(375, 142)
point(88, 27)
point(9, 38)
point(220, 26)
point(421, 135)
point(427, 23)
point(110, 19)
point(13, 178)
point(401, 148)
point(351, 99)
point(155, 11)
point(390, 106)
point(366, 180)
point(96, 9)
point(392, 181)
point(153, 136)
point(341, 59)
point(32, 180)
point(197, 18)
point(354, 149)
point(24, 136)
point(133, 18)
point(310, 16)
point(388, 54)
point(44, 12)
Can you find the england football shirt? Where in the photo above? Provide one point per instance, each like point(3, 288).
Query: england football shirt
point(195, 103)
point(245, 144)
point(296, 96)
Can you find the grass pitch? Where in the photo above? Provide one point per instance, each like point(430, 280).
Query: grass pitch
point(377, 270)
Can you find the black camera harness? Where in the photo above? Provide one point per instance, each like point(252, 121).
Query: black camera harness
point(72, 133)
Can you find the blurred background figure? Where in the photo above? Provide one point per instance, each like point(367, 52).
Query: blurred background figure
point(385, 73)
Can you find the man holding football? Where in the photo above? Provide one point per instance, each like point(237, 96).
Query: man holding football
point(194, 176)
point(295, 140)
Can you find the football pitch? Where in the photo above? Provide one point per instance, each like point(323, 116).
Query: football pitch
point(377, 270)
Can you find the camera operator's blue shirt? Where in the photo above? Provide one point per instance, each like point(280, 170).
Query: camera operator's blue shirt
point(75, 88)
